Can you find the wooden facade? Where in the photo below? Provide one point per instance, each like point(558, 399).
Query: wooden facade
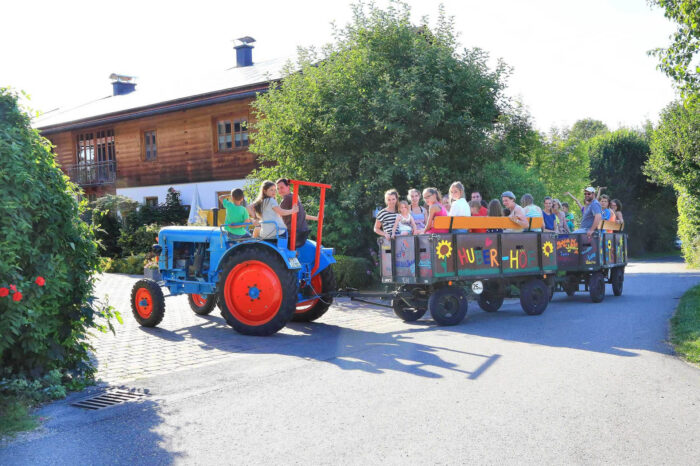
point(186, 142)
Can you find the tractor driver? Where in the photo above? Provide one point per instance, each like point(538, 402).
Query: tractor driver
point(302, 216)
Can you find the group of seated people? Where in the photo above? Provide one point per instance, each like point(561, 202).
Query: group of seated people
point(409, 217)
point(269, 218)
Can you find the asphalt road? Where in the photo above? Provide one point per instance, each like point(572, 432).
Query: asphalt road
point(581, 384)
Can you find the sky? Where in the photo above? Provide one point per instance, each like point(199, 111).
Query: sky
point(571, 59)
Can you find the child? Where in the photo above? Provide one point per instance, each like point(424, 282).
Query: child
point(270, 213)
point(235, 213)
point(405, 225)
point(475, 207)
point(569, 216)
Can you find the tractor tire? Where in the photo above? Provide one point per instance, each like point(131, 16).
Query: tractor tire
point(534, 297)
point(448, 305)
point(596, 287)
point(202, 304)
point(257, 293)
point(322, 283)
point(491, 301)
point(617, 278)
point(147, 303)
point(406, 312)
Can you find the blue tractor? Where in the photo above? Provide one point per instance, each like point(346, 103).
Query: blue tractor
point(259, 285)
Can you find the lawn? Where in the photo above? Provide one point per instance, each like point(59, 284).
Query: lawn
point(685, 326)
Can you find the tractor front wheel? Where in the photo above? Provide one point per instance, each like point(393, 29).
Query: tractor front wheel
point(257, 293)
point(322, 284)
point(147, 303)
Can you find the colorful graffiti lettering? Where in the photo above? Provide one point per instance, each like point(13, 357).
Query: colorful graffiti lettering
point(567, 244)
point(478, 256)
point(520, 258)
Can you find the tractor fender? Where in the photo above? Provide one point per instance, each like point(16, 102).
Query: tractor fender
point(307, 255)
point(256, 244)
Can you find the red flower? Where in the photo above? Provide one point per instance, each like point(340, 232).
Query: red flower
point(13, 288)
point(4, 292)
point(17, 296)
point(40, 281)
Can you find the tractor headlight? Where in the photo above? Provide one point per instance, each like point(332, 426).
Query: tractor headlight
point(478, 287)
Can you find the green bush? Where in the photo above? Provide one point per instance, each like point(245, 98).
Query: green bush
point(49, 256)
point(138, 241)
point(689, 228)
point(352, 272)
point(132, 264)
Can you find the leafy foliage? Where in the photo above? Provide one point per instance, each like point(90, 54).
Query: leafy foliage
point(352, 272)
point(388, 104)
point(617, 159)
point(586, 129)
point(562, 165)
point(679, 61)
point(42, 235)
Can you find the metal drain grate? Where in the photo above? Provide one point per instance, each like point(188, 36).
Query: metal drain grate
point(111, 397)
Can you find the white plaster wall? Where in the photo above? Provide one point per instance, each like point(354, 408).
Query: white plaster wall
point(207, 191)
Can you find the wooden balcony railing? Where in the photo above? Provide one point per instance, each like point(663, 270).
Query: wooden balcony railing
point(92, 174)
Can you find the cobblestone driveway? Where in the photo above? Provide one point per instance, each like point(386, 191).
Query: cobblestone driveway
point(184, 339)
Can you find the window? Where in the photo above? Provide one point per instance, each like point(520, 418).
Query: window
point(151, 201)
point(95, 147)
point(231, 134)
point(149, 145)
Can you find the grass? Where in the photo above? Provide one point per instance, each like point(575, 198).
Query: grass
point(685, 326)
point(15, 416)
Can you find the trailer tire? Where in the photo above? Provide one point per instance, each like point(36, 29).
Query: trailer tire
point(323, 283)
point(448, 305)
point(491, 301)
point(147, 303)
point(596, 287)
point(253, 310)
point(405, 312)
point(570, 286)
point(617, 278)
point(534, 297)
point(202, 304)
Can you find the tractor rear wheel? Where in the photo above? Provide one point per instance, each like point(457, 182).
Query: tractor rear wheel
point(448, 305)
point(617, 278)
point(147, 303)
point(257, 293)
point(202, 304)
point(534, 297)
point(322, 284)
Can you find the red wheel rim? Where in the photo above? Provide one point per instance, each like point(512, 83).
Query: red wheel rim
point(144, 302)
point(317, 285)
point(198, 300)
point(253, 293)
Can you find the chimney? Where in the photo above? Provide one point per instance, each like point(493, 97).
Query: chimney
point(244, 51)
point(122, 84)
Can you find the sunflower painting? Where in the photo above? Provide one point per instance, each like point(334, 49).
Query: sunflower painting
point(547, 248)
point(444, 252)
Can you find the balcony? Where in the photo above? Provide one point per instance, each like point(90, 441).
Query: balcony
point(93, 174)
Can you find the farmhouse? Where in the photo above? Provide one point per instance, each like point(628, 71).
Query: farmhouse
point(140, 143)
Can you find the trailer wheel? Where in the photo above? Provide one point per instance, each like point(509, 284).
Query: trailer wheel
point(448, 305)
point(406, 312)
point(570, 286)
point(322, 282)
point(147, 303)
point(596, 287)
point(257, 293)
point(534, 297)
point(491, 301)
point(617, 278)
point(202, 304)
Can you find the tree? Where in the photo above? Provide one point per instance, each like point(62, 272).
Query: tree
point(617, 160)
point(562, 165)
point(388, 104)
point(586, 129)
point(679, 60)
point(675, 161)
point(49, 256)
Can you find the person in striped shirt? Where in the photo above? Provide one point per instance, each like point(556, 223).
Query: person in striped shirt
point(386, 217)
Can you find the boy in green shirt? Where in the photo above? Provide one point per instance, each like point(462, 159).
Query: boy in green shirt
point(235, 213)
